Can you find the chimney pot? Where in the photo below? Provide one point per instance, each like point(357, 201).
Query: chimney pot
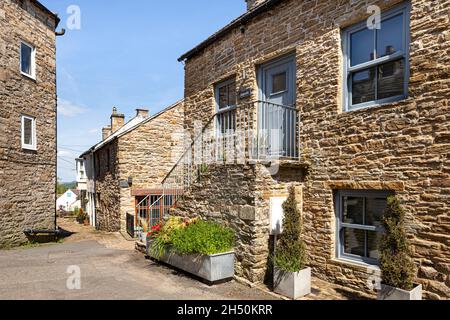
point(142, 113)
point(117, 120)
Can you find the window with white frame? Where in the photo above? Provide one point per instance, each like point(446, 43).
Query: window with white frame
point(359, 224)
point(27, 60)
point(29, 133)
point(377, 60)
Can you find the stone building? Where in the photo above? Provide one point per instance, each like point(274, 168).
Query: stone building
point(279, 79)
point(27, 119)
point(129, 165)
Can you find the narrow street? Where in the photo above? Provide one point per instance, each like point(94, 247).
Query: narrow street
point(110, 269)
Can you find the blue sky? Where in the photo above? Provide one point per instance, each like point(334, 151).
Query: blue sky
point(124, 55)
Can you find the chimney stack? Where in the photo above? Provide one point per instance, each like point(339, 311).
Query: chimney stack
point(106, 132)
point(142, 113)
point(117, 120)
point(251, 4)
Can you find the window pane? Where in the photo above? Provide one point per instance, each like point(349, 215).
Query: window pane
point(362, 46)
point(354, 241)
point(26, 59)
point(363, 84)
point(375, 208)
point(223, 97)
point(353, 210)
point(373, 242)
point(279, 83)
point(390, 36)
point(232, 94)
point(391, 77)
point(28, 131)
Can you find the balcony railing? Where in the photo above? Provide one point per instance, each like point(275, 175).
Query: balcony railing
point(256, 131)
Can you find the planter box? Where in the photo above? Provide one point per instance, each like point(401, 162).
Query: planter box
point(391, 293)
point(292, 285)
point(212, 268)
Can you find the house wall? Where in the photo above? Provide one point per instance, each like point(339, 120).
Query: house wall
point(238, 196)
point(107, 187)
point(27, 178)
point(147, 154)
point(402, 146)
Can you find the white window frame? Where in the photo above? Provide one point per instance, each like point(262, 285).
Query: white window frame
point(405, 9)
point(340, 225)
point(32, 62)
point(32, 146)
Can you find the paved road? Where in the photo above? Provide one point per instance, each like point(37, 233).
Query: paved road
point(106, 273)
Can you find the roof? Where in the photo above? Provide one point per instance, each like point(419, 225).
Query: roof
point(46, 10)
point(128, 127)
point(242, 20)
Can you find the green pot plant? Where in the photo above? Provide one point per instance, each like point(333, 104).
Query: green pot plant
point(201, 248)
point(397, 267)
point(292, 278)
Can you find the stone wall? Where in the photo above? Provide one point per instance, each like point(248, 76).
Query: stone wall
point(238, 196)
point(107, 187)
point(27, 178)
point(402, 146)
point(148, 153)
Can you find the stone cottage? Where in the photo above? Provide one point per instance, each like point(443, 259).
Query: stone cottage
point(27, 119)
point(128, 166)
point(316, 94)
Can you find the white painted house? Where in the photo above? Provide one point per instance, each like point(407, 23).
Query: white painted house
point(68, 201)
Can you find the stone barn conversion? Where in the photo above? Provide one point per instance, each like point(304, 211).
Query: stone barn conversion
point(310, 96)
point(129, 165)
point(27, 120)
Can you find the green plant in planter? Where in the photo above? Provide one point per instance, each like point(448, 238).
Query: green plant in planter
point(202, 238)
point(396, 265)
point(191, 237)
point(290, 255)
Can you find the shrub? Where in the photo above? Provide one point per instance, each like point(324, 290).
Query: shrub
point(191, 237)
point(396, 265)
point(290, 255)
point(202, 238)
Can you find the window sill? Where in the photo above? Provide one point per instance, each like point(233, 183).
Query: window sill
point(376, 105)
point(358, 264)
point(29, 149)
point(28, 76)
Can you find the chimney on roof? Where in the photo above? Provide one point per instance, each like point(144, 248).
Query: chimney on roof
point(251, 4)
point(117, 120)
point(106, 132)
point(142, 113)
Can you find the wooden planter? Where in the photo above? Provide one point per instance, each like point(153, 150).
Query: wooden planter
point(213, 268)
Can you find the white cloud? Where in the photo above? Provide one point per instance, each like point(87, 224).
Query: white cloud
point(68, 109)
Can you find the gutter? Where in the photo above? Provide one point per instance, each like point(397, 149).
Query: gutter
point(246, 17)
point(46, 10)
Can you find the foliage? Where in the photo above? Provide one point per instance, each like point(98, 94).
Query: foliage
point(61, 188)
point(290, 255)
point(396, 265)
point(193, 236)
point(81, 215)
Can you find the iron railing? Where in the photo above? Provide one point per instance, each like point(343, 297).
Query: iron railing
point(255, 131)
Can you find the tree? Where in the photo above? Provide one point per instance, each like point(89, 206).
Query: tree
point(290, 255)
point(396, 264)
